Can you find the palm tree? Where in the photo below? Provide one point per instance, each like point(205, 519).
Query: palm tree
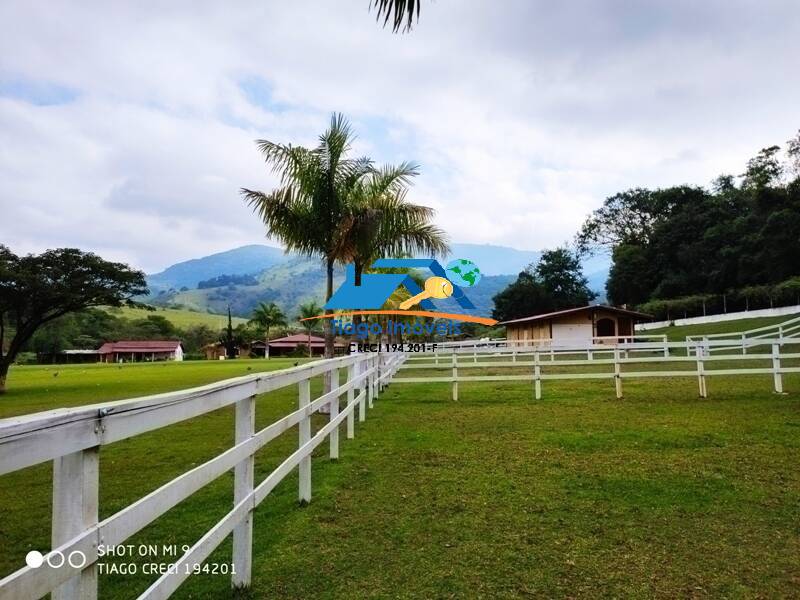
point(306, 210)
point(398, 11)
point(381, 222)
point(266, 316)
point(308, 310)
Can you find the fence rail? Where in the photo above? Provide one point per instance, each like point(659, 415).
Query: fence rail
point(696, 353)
point(72, 438)
point(785, 332)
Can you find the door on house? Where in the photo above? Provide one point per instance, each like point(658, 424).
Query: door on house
point(606, 327)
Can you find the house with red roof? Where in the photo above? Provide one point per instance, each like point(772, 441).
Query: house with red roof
point(289, 343)
point(141, 351)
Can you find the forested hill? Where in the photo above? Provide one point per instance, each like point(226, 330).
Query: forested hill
point(731, 247)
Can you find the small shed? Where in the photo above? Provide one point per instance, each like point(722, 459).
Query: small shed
point(601, 323)
point(217, 351)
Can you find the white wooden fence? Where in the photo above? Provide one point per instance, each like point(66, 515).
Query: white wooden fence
point(72, 438)
point(785, 333)
point(535, 361)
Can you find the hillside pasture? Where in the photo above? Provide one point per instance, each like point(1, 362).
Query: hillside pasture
point(678, 333)
point(181, 318)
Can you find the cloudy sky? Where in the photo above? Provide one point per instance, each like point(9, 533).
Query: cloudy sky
point(127, 128)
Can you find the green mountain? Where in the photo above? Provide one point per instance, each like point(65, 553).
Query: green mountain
point(290, 280)
point(246, 260)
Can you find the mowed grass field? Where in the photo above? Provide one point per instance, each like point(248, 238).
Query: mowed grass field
point(577, 495)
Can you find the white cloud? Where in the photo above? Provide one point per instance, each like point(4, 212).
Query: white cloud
point(524, 115)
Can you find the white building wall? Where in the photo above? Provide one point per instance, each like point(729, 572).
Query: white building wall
point(746, 314)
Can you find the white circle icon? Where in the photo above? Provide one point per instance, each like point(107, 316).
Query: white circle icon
point(78, 564)
point(56, 554)
point(34, 559)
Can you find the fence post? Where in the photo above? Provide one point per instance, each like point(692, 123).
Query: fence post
point(537, 375)
point(75, 499)
point(375, 378)
point(334, 437)
point(351, 417)
point(242, 486)
point(304, 398)
point(455, 376)
point(475, 353)
point(776, 368)
point(513, 354)
point(744, 347)
point(367, 389)
point(617, 373)
point(700, 352)
point(666, 347)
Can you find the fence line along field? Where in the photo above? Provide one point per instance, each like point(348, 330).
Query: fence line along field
point(658, 494)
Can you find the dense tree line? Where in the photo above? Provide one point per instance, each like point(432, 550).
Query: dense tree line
point(556, 282)
point(89, 329)
point(227, 280)
point(743, 233)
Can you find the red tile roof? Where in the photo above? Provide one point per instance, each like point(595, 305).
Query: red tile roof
point(139, 346)
point(558, 313)
point(291, 341)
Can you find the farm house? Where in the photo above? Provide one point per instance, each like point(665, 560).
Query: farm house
point(581, 324)
point(140, 351)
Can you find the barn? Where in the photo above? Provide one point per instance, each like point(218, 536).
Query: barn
point(576, 325)
point(141, 351)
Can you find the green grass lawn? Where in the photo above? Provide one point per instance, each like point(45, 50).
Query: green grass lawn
point(577, 495)
point(679, 333)
point(178, 317)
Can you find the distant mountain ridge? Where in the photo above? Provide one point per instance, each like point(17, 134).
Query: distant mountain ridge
point(290, 279)
point(245, 260)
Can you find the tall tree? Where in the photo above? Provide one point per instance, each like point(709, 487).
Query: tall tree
point(560, 273)
point(380, 222)
point(309, 310)
point(686, 241)
point(230, 341)
point(37, 289)
point(305, 212)
point(556, 282)
point(267, 316)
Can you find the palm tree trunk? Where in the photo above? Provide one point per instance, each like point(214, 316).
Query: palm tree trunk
point(310, 352)
point(358, 268)
point(328, 324)
point(266, 345)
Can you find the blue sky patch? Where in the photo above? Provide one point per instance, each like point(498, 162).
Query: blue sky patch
point(39, 93)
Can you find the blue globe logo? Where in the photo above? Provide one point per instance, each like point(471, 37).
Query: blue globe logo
point(463, 272)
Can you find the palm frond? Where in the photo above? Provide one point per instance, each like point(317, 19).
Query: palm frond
point(398, 11)
point(288, 216)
